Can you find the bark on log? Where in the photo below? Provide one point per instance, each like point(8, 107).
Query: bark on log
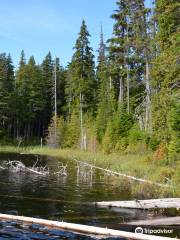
point(144, 204)
point(83, 228)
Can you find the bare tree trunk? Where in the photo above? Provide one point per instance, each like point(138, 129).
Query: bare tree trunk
point(69, 107)
point(127, 69)
point(121, 89)
point(148, 125)
point(128, 94)
point(81, 122)
point(110, 82)
point(55, 102)
point(85, 141)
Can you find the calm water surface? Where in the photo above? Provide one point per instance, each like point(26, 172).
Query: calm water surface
point(68, 198)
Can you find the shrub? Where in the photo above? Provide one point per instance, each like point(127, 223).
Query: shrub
point(136, 134)
point(165, 174)
point(161, 152)
point(174, 148)
point(136, 148)
point(121, 144)
point(153, 143)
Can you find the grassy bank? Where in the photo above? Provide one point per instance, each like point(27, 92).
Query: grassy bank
point(138, 165)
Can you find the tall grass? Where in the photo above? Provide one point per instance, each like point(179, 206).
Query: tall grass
point(138, 165)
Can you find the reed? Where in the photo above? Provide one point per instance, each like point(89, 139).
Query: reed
point(139, 165)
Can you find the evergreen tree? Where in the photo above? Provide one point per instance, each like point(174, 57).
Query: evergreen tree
point(36, 103)
point(48, 84)
point(128, 52)
point(166, 68)
point(61, 101)
point(6, 91)
point(106, 101)
point(81, 82)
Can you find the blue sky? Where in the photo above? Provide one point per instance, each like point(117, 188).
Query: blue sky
point(39, 26)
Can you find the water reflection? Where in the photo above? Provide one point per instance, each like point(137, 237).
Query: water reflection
point(68, 197)
point(64, 197)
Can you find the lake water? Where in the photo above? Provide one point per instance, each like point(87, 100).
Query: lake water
point(68, 198)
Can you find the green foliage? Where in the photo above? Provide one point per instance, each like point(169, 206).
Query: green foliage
point(166, 73)
point(176, 177)
point(174, 116)
point(153, 142)
point(56, 132)
point(129, 48)
point(106, 97)
point(136, 134)
point(168, 20)
point(72, 132)
point(117, 131)
point(110, 107)
point(81, 74)
point(6, 93)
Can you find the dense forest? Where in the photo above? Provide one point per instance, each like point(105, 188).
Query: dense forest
point(128, 100)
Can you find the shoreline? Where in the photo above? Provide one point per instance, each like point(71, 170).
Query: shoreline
point(139, 165)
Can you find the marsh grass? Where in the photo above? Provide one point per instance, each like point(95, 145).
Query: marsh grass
point(138, 165)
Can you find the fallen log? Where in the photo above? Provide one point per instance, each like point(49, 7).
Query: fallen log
point(143, 204)
point(167, 221)
point(122, 175)
point(30, 170)
point(83, 228)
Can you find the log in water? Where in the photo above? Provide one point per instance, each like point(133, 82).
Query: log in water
point(143, 204)
point(83, 228)
point(113, 173)
point(166, 221)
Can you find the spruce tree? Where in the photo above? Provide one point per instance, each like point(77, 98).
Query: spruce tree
point(166, 68)
point(48, 83)
point(106, 101)
point(82, 68)
point(128, 52)
point(6, 93)
point(81, 86)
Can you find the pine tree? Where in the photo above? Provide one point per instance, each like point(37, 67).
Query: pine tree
point(36, 103)
point(106, 101)
point(82, 84)
point(166, 68)
point(83, 66)
point(48, 84)
point(60, 75)
point(6, 93)
point(127, 51)
point(117, 50)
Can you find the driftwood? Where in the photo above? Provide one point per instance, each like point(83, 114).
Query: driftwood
point(62, 170)
point(83, 228)
point(144, 204)
point(113, 173)
point(167, 221)
point(17, 166)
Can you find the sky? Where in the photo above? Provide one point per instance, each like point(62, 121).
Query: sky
point(39, 26)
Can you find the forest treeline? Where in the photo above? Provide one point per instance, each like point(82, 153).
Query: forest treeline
point(127, 102)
